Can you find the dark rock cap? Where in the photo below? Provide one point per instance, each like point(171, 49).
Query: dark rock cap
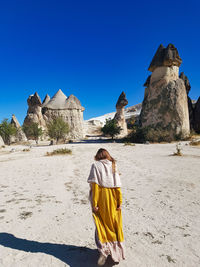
point(186, 81)
point(122, 101)
point(165, 57)
point(34, 100)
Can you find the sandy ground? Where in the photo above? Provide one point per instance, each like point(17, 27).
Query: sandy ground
point(45, 216)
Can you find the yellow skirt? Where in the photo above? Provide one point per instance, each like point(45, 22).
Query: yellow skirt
point(108, 221)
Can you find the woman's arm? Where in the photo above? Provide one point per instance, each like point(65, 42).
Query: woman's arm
point(119, 198)
point(95, 197)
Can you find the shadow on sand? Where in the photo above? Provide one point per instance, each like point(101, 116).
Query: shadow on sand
point(73, 256)
point(98, 141)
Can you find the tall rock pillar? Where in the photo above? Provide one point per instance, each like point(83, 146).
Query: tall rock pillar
point(165, 104)
point(119, 116)
point(34, 113)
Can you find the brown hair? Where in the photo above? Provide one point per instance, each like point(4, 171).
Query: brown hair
point(104, 154)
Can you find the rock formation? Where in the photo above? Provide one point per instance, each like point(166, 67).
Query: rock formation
point(1, 141)
point(165, 57)
point(69, 108)
point(165, 104)
point(34, 113)
point(190, 105)
point(197, 116)
point(119, 116)
point(186, 82)
point(20, 135)
point(46, 100)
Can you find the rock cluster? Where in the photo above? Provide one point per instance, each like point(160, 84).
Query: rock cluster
point(165, 104)
point(119, 116)
point(20, 135)
point(69, 108)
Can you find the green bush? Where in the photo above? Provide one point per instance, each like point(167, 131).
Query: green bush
point(131, 122)
point(7, 130)
point(33, 131)
point(57, 129)
point(111, 128)
point(141, 135)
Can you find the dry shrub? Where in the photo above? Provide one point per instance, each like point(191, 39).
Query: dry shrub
point(178, 151)
point(26, 150)
point(195, 143)
point(60, 151)
point(128, 144)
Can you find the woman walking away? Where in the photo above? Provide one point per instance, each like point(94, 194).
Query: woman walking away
point(106, 200)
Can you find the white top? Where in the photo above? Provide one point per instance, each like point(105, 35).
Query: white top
point(102, 174)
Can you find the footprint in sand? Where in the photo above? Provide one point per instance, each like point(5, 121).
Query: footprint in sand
point(2, 210)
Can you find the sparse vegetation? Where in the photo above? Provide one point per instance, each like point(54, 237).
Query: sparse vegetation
point(7, 130)
point(128, 144)
point(178, 151)
point(60, 151)
point(141, 135)
point(25, 214)
point(111, 128)
point(169, 258)
point(195, 143)
point(33, 131)
point(57, 129)
point(26, 150)
point(131, 122)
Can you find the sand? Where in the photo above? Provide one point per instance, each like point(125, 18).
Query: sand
point(45, 216)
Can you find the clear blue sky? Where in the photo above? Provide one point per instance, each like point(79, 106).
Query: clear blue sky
point(92, 49)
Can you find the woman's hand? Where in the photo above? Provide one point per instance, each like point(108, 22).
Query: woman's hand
point(95, 209)
point(119, 207)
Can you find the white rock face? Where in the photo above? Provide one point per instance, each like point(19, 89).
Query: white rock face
point(165, 73)
point(1, 141)
point(120, 115)
point(121, 122)
point(93, 127)
point(128, 113)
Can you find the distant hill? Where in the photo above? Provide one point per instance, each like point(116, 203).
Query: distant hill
point(129, 112)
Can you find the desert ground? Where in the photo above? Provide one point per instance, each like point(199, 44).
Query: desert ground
point(45, 215)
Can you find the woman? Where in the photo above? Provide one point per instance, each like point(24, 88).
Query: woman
point(106, 200)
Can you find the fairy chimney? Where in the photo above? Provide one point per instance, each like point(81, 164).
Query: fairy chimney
point(119, 116)
point(165, 104)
